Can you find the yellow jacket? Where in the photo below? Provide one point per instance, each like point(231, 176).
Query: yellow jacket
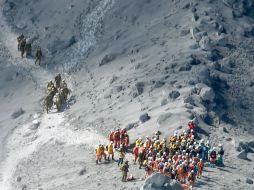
point(110, 148)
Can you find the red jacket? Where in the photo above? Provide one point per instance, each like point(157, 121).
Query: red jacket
point(191, 125)
point(111, 136)
point(135, 151)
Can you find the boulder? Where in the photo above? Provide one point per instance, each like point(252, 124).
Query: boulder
point(249, 181)
point(107, 58)
point(194, 60)
point(185, 67)
point(82, 171)
point(17, 113)
point(163, 117)
point(174, 94)
point(130, 126)
point(184, 32)
point(119, 88)
point(156, 180)
point(206, 43)
point(189, 100)
point(159, 84)
point(242, 155)
point(144, 117)
point(207, 94)
point(251, 144)
point(113, 79)
point(164, 101)
point(35, 124)
point(19, 179)
point(140, 87)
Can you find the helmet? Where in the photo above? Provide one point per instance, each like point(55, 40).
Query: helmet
point(140, 138)
point(192, 171)
point(111, 142)
point(220, 145)
point(214, 148)
point(147, 137)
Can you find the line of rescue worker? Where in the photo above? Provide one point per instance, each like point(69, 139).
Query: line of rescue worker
point(25, 47)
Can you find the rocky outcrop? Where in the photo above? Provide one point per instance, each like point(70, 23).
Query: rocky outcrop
point(157, 181)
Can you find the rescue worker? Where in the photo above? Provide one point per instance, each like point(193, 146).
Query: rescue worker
point(19, 39)
point(22, 47)
point(121, 155)
point(28, 49)
point(98, 154)
point(117, 138)
point(213, 156)
point(65, 92)
point(148, 142)
point(111, 136)
point(138, 141)
point(48, 102)
point(111, 150)
point(58, 80)
point(141, 157)
point(38, 56)
point(191, 179)
point(126, 140)
point(200, 165)
point(125, 170)
point(63, 84)
point(102, 151)
point(191, 125)
point(135, 154)
point(220, 155)
point(59, 101)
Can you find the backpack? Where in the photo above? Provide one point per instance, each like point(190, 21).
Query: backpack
point(161, 166)
point(213, 154)
point(147, 168)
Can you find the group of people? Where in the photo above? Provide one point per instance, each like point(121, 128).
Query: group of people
point(25, 47)
point(181, 157)
point(57, 93)
point(119, 137)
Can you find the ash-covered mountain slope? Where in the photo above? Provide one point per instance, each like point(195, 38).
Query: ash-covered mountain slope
point(173, 60)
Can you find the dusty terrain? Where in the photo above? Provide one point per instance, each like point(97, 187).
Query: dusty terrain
point(175, 60)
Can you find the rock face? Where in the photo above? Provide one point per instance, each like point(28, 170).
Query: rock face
point(157, 181)
point(249, 181)
point(144, 117)
point(242, 155)
point(174, 94)
point(207, 94)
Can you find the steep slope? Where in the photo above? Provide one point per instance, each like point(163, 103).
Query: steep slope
point(175, 60)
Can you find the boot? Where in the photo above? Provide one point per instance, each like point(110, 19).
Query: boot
point(97, 162)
